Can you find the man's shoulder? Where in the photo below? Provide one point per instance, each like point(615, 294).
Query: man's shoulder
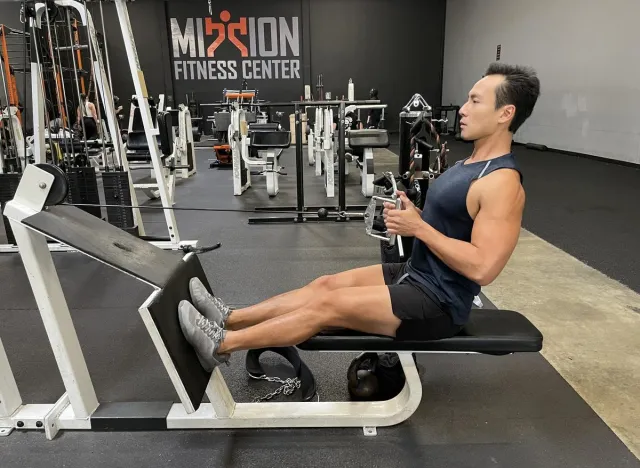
point(501, 187)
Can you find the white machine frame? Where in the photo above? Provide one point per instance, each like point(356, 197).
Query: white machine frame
point(367, 172)
point(321, 148)
point(367, 169)
point(238, 138)
point(184, 149)
point(74, 408)
point(9, 114)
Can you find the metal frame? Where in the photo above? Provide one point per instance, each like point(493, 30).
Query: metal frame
point(75, 408)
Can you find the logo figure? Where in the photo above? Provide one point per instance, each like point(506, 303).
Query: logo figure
point(240, 26)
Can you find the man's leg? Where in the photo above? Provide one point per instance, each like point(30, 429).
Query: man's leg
point(366, 309)
point(293, 300)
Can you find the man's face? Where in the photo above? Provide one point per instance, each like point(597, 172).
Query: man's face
point(479, 117)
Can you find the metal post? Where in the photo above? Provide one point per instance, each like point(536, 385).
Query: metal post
point(75, 74)
point(299, 166)
point(59, 81)
point(37, 101)
point(10, 399)
point(6, 95)
point(24, 77)
point(90, 34)
point(54, 310)
point(106, 49)
point(342, 204)
point(66, 105)
point(145, 112)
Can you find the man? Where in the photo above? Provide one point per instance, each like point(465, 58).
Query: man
point(463, 239)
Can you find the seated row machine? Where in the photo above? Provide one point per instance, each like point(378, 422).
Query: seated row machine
point(35, 215)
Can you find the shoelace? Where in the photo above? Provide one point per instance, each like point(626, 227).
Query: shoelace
point(225, 309)
point(210, 328)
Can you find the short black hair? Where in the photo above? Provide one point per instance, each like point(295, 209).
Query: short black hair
point(521, 88)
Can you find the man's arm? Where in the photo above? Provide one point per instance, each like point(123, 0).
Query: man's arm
point(495, 230)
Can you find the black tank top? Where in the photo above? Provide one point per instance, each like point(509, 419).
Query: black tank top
point(446, 210)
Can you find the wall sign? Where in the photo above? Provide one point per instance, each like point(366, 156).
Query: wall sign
point(235, 48)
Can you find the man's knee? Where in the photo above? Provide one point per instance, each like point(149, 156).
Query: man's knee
point(324, 283)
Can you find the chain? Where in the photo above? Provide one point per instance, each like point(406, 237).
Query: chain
point(288, 387)
point(22, 15)
point(210, 9)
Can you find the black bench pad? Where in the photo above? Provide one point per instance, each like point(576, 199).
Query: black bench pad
point(264, 126)
point(368, 138)
point(269, 139)
point(488, 332)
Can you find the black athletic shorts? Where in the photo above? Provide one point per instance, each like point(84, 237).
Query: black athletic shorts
point(423, 316)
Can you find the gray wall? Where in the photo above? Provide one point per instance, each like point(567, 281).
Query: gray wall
point(392, 45)
point(586, 54)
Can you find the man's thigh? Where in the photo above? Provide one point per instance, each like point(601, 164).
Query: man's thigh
point(358, 277)
point(363, 308)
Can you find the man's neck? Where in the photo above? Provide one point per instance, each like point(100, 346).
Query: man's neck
point(491, 147)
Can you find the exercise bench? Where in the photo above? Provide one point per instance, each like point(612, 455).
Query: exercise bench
point(36, 214)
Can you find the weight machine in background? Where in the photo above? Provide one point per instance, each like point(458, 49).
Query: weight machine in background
point(47, 48)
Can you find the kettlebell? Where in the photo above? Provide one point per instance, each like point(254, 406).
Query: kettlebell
point(362, 379)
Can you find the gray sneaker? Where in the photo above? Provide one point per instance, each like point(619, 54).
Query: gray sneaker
point(203, 334)
point(210, 306)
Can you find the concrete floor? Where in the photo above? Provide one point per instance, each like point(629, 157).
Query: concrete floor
point(590, 324)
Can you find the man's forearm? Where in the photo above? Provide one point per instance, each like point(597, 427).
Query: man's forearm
point(460, 256)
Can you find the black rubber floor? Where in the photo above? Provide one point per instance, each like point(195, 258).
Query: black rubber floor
point(477, 411)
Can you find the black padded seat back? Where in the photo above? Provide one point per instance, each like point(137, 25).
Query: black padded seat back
point(368, 138)
point(488, 332)
point(137, 124)
point(264, 126)
point(269, 139)
point(137, 141)
point(223, 120)
point(165, 127)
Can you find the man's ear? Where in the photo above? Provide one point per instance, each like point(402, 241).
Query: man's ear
point(508, 113)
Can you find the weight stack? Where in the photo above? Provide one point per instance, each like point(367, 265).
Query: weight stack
point(116, 192)
point(83, 189)
point(8, 186)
